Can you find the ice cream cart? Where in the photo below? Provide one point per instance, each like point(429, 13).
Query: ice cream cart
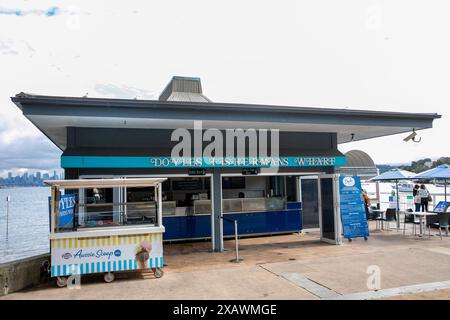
point(95, 228)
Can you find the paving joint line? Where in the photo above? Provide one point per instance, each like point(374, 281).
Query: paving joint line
point(392, 292)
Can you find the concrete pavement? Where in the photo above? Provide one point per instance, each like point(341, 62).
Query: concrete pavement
point(282, 267)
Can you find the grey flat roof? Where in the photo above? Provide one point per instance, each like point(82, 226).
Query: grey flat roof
point(21, 98)
point(52, 114)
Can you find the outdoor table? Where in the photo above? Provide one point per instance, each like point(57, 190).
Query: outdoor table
point(421, 215)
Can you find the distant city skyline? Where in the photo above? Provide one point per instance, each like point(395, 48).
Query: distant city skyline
point(24, 172)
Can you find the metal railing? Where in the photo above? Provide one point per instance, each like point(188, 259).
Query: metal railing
point(236, 238)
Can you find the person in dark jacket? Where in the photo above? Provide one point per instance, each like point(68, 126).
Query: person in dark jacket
point(417, 198)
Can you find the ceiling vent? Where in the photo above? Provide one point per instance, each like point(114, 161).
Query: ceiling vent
point(187, 89)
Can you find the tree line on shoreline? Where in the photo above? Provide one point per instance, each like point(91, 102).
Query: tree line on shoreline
point(417, 166)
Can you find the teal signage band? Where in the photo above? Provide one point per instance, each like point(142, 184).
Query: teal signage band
point(198, 162)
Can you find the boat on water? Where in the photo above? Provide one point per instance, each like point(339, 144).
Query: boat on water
point(404, 186)
point(441, 184)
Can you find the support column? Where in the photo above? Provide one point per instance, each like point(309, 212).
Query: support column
point(217, 222)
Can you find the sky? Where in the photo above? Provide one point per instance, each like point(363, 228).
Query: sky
point(361, 54)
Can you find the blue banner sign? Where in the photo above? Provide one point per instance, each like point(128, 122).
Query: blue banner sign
point(66, 210)
point(353, 212)
point(200, 162)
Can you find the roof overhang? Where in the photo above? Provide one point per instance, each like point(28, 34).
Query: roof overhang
point(52, 115)
point(105, 183)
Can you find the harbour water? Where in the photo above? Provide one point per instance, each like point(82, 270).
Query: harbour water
point(28, 223)
point(29, 217)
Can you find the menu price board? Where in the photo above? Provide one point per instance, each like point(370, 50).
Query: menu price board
point(353, 212)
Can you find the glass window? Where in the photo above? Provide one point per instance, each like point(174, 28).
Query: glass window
point(253, 194)
point(102, 207)
point(140, 206)
point(98, 209)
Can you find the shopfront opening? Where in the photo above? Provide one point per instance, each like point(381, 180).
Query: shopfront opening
point(261, 205)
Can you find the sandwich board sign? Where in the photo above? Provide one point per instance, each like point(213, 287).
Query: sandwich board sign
point(353, 211)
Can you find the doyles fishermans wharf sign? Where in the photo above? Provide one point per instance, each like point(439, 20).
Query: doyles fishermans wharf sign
point(202, 162)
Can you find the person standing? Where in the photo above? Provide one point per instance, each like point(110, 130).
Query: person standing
point(366, 202)
point(417, 198)
point(425, 197)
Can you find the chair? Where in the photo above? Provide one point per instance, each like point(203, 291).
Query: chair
point(432, 221)
point(378, 217)
point(391, 215)
point(410, 218)
point(443, 223)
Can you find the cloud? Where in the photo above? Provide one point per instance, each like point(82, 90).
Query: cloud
point(6, 47)
point(123, 92)
point(20, 148)
point(36, 153)
point(20, 13)
point(11, 47)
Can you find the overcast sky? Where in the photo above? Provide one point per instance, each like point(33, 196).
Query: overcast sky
point(363, 54)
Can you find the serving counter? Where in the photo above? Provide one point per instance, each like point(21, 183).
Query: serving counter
point(264, 216)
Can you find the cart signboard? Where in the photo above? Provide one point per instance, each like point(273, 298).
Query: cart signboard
point(353, 212)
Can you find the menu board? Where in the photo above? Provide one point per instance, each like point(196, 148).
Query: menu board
point(188, 184)
point(233, 183)
point(353, 212)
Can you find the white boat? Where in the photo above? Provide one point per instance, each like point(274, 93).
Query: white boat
point(441, 184)
point(404, 186)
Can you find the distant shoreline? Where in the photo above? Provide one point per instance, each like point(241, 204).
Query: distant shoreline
point(14, 187)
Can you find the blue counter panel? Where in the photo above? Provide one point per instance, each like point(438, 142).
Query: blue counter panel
point(294, 205)
point(187, 227)
point(191, 227)
point(264, 222)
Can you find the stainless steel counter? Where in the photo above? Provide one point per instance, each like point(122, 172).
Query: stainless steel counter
point(253, 204)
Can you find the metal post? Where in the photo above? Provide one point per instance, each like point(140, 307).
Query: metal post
point(217, 223)
point(378, 195)
point(445, 189)
point(398, 205)
point(8, 199)
point(236, 241)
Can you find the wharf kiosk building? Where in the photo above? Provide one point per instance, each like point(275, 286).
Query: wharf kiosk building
point(131, 138)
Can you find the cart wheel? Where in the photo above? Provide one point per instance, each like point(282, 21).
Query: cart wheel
point(61, 282)
point(158, 273)
point(365, 238)
point(109, 277)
